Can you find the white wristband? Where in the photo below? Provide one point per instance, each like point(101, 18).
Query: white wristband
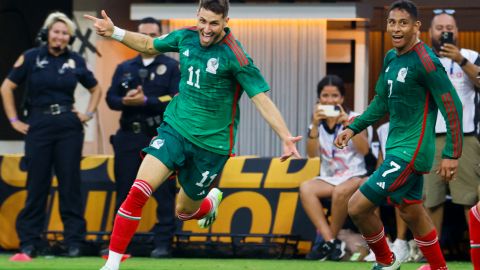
point(118, 33)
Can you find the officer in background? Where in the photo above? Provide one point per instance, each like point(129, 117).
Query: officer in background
point(141, 88)
point(54, 133)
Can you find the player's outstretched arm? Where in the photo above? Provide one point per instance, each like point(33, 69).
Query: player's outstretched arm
point(273, 117)
point(105, 28)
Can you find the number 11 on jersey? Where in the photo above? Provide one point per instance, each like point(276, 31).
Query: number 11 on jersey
point(190, 77)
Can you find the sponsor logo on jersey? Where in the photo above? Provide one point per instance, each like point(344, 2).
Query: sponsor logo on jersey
point(212, 65)
point(186, 53)
point(402, 73)
point(157, 143)
point(41, 63)
point(381, 184)
point(201, 193)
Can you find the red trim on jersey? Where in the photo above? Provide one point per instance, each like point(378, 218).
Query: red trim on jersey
point(409, 169)
point(454, 122)
point(424, 57)
point(406, 201)
point(239, 53)
point(232, 125)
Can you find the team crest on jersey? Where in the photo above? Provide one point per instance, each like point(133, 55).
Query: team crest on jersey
point(402, 73)
point(212, 65)
point(157, 143)
point(161, 69)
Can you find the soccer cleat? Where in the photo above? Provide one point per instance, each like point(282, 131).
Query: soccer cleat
point(215, 196)
point(395, 265)
point(370, 257)
point(400, 248)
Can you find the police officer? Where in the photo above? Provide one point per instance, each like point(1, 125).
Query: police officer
point(141, 88)
point(54, 131)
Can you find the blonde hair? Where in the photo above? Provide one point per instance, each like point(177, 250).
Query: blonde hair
point(60, 17)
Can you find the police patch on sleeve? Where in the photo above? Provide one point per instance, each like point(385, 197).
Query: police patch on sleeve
point(19, 61)
point(161, 69)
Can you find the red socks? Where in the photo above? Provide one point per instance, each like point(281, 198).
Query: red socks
point(430, 248)
point(205, 207)
point(378, 244)
point(129, 215)
point(474, 229)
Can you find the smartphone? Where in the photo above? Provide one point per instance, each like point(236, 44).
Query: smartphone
point(446, 37)
point(330, 110)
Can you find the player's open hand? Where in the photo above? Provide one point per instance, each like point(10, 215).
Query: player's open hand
point(290, 148)
point(103, 26)
point(342, 139)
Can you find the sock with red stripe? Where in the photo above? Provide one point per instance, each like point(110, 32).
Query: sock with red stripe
point(378, 244)
point(430, 248)
point(474, 229)
point(129, 215)
point(204, 209)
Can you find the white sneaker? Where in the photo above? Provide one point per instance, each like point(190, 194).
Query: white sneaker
point(215, 195)
point(370, 257)
point(415, 254)
point(400, 248)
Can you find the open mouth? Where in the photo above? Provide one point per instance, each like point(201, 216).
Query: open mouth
point(207, 37)
point(397, 38)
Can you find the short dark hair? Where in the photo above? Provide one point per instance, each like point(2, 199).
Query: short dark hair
point(332, 80)
point(217, 6)
point(406, 5)
point(151, 20)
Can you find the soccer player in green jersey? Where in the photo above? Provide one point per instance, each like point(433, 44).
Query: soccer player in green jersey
point(412, 86)
point(200, 123)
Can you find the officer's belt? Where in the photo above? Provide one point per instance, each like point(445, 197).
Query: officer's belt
point(140, 126)
point(52, 109)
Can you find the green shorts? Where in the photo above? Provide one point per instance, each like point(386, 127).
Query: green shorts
point(394, 182)
point(196, 167)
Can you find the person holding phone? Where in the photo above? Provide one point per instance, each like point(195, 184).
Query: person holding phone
point(462, 67)
point(341, 173)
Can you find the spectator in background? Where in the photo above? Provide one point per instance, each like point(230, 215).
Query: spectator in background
point(54, 131)
point(141, 89)
point(411, 88)
point(462, 66)
point(341, 171)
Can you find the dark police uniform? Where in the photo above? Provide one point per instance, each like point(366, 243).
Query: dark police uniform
point(160, 80)
point(53, 143)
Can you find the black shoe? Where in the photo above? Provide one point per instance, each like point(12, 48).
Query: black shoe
point(74, 251)
point(161, 252)
point(338, 251)
point(30, 250)
point(322, 252)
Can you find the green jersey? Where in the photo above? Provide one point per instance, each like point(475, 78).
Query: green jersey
point(206, 109)
point(411, 88)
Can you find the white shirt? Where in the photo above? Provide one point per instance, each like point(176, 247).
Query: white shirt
point(465, 90)
point(338, 165)
point(382, 132)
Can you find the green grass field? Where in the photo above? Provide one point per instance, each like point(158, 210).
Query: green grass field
point(90, 263)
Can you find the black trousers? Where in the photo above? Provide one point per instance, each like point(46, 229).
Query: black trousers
point(53, 145)
point(127, 146)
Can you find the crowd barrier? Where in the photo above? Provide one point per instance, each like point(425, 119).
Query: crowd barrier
point(260, 198)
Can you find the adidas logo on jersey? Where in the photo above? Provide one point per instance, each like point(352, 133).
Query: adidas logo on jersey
point(186, 53)
point(381, 184)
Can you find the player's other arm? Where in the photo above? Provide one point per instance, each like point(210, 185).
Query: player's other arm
point(105, 28)
point(273, 117)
